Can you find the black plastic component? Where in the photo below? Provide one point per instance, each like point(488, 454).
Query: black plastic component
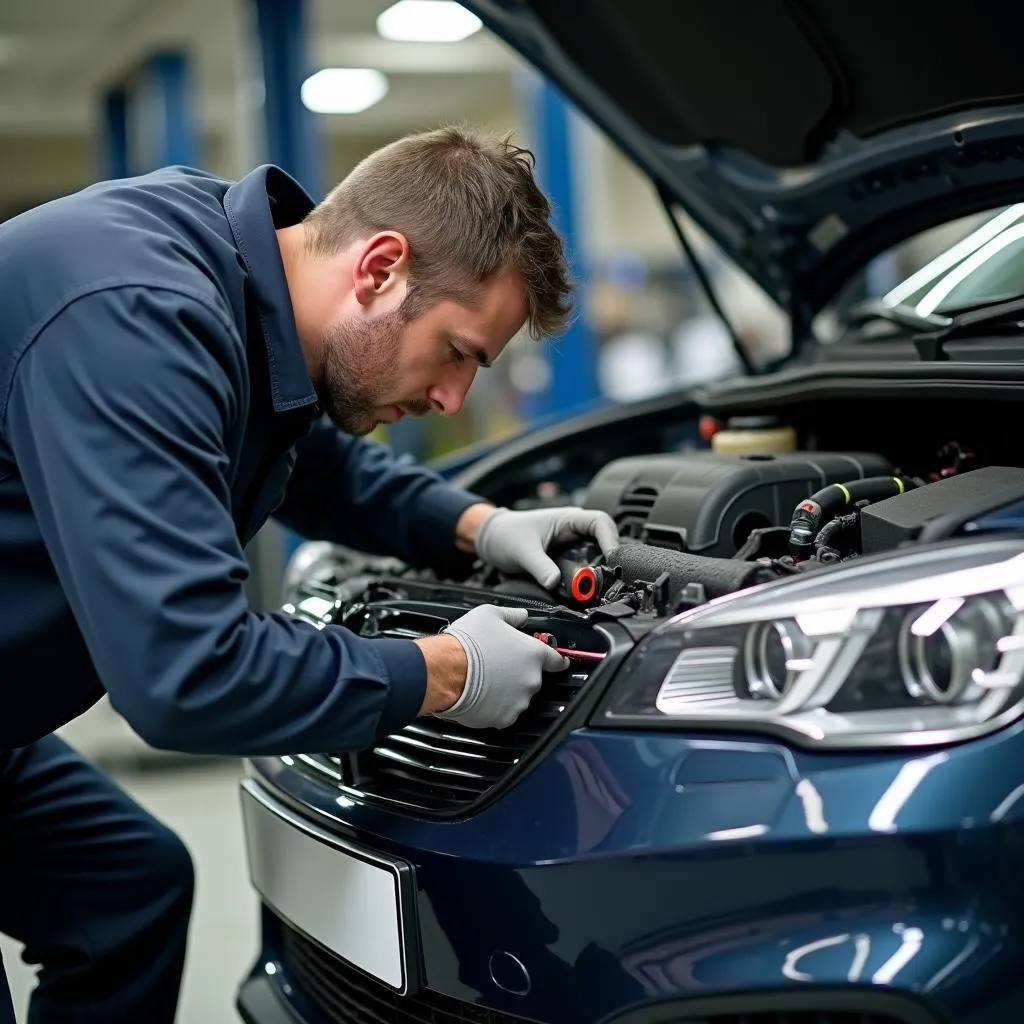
point(259, 1003)
point(693, 595)
point(802, 532)
point(582, 583)
point(770, 542)
point(620, 608)
point(709, 504)
point(815, 511)
point(718, 576)
point(938, 510)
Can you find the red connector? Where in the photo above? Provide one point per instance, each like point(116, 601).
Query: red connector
point(568, 652)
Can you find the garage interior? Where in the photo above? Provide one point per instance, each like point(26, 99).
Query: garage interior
point(115, 87)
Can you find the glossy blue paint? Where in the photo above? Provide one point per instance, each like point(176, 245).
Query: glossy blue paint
point(1010, 517)
point(628, 868)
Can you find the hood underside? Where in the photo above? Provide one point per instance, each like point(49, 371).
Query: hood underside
point(804, 136)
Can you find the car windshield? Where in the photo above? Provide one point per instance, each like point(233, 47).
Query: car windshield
point(964, 264)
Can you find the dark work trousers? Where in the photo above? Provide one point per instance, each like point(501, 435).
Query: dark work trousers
point(98, 892)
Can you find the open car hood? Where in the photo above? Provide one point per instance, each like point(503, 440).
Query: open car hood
point(804, 136)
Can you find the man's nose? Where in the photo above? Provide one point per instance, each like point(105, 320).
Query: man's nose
point(448, 397)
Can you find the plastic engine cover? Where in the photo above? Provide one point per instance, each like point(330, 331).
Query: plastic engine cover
point(708, 503)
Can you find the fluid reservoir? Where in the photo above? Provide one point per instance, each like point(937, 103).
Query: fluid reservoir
point(753, 435)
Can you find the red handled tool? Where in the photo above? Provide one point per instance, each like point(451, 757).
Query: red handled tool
point(568, 652)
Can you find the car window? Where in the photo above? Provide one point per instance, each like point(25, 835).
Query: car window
point(970, 261)
point(995, 271)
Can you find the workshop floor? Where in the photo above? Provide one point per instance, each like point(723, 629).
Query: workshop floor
point(200, 802)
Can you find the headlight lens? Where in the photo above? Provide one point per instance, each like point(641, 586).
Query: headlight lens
point(922, 647)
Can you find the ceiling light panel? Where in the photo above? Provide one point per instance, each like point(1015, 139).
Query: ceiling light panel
point(343, 90)
point(427, 21)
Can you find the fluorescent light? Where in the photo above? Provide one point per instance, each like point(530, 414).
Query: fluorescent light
point(343, 90)
point(427, 21)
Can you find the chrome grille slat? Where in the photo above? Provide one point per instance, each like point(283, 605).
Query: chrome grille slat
point(408, 787)
point(450, 737)
point(426, 766)
point(404, 740)
point(550, 708)
point(321, 765)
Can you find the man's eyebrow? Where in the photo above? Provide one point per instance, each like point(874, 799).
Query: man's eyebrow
point(472, 348)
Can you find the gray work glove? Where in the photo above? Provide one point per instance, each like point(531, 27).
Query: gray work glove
point(505, 667)
point(518, 541)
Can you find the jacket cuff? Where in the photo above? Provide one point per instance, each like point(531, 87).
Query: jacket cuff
point(407, 678)
point(437, 512)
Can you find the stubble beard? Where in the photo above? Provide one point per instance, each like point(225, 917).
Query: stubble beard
point(359, 369)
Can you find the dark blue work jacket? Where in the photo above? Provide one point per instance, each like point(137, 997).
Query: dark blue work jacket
point(155, 410)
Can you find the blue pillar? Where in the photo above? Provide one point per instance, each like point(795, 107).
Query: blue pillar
point(115, 160)
point(162, 127)
point(572, 357)
point(291, 137)
point(292, 140)
point(149, 119)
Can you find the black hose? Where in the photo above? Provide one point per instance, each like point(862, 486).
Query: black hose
point(823, 550)
point(718, 576)
point(831, 528)
point(813, 512)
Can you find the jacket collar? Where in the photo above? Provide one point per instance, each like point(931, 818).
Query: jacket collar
point(266, 199)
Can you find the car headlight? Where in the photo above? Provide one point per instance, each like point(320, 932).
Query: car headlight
point(921, 647)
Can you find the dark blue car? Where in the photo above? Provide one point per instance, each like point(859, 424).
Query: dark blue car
point(782, 782)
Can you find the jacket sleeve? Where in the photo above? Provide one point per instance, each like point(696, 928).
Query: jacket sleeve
point(117, 416)
point(356, 492)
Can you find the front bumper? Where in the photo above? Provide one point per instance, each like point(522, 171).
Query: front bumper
point(632, 878)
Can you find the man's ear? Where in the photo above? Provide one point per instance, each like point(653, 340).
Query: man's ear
point(381, 267)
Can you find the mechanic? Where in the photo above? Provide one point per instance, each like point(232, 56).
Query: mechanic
point(180, 358)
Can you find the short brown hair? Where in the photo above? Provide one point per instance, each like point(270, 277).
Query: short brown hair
point(469, 207)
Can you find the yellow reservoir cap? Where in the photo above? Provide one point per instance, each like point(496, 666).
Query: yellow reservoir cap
point(754, 441)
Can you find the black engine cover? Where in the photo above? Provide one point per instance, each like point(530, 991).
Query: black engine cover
point(939, 510)
point(708, 503)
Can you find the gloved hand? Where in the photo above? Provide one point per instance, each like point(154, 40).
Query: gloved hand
point(505, 667)
point(518, 541)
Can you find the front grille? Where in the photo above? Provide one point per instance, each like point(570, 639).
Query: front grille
point(434, 767)
point(345, 996)
point(440, 767)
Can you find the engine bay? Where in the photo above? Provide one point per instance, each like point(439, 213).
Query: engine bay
point(701, 524)
point(746, 505)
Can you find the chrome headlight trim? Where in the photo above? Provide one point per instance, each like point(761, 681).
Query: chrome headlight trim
point(915, 648)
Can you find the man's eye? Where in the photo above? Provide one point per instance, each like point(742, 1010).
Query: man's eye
point(457, 356)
